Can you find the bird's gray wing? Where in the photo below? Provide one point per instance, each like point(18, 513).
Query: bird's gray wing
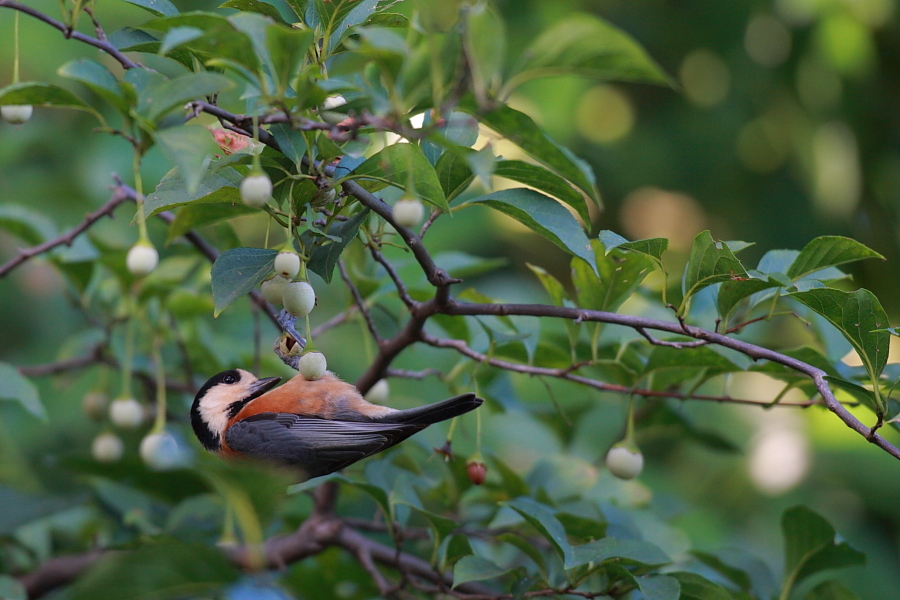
point(317, 446)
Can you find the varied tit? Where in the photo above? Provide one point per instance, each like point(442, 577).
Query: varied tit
point(319, 426)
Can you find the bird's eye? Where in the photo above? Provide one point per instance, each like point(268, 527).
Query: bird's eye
point(229, 379)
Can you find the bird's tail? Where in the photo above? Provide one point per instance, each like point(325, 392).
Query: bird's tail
point(434, 413)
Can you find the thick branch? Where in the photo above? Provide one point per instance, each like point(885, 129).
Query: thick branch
point(70, 33)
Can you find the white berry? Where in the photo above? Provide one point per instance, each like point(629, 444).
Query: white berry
point(299, 298)
point(126, 413)
point(408, 212)
point(107, 447)
point(16, 113)
point(142, 259)
point(273, 289)
point(160, 451)
point(287, 264)
point(256, 190)
point(312, 365)
point(379, 392)
point(624, 461)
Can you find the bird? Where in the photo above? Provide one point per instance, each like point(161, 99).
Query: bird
point(318, 426)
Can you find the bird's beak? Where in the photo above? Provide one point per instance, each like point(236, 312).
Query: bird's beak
point(264, 385)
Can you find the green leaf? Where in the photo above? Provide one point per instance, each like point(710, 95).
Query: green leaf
point(652, 247)
point(190, 147)
point(221, 39)
point(197, 215)
point(324, 258)
point(403, 165)
point(454, 548)
point(830, 590)
point(43, 94)
point(541, 518)
point(178, 36)
point(464, 266)
point(360, 13)
point(31, 227)
point(485, 44)
point(162, 97)
point(585, 45)
point(733, 291)
point(287, 50)
point(810, 546)
point(864, 395)
point(458, 131)
point(453, 172)
point(15, 386)
point(520, 129)
point(440, 526)
point(620, 273)
point(164, 569)
point(475, 568)
point(737, 576)
point(658, 587)
point(551, 284)
point(172, 191)
point(98, 79)
point(710, 262)
point(666, 357)
point(696, 587)
point(292, 143)
point(545, 181)
point(11, 589)
point(526, 547)
point(238, 271)
point(160, 8)
point(828, 251)
point(545, 216)
point(609, 548)
point(256, 6)
point(859, 317)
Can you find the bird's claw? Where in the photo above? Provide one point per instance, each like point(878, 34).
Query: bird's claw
point(289, 344)
point(286, 320)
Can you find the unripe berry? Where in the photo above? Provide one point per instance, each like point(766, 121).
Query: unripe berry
point(299, 298)
point(287, 264)
point(142, 259)
point(256, 190)
point(160, 451)
point(379, 392)
point(477, 471)
point(625, 461)
point(408, 212)
point(16, 114)
point(107, 447)
point(95, 404)
point(273, 289)
point(312, 366)
point(126, 413)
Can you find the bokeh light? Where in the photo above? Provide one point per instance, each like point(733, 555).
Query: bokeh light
point(605, 114)
point(767, 40)
point(651, 212)
point(705, 78)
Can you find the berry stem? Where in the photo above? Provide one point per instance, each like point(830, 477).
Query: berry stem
point(629, 427)
point(160, 423)
point(139, 198)
point(15, 78)
point(129, 350)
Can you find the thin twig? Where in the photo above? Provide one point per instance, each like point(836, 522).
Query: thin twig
point(360, 303)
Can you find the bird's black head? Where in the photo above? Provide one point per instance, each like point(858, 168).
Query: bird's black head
point(221, 398)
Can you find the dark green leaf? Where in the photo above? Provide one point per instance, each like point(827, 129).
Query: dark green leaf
point(166, 95)
point(658, 587)
point(221, 39)
point(454, 548)
point(42, 94)
point(696, 587)
point(810, 546)
point(157, 570)
point(665, 357)
point(160, 8)
point(710, 262)
point(541, 518)
point(458, 131)
point(325, 257)
point(463, 266)
point(733, 291)
point(440, 526)
point(828, 251)
point(197, 215)
point(636, 551)
point(256, 6)
point(172, 191)
point(404, 166)
point(520, 129)
point(830, 590)
point(31, 227)
point(485, 44)
point(238, 271)
point(863, 395)
point(620, 273)
point(359, 13)
point(545, 181)
point(98, 79)
point(190, 147)
point(178, 36)
point(554, 288)
point(585, 45)
point(737, 576)
point(652, 247)
point(859, 317)
point(287, 49)
point(525, 547)
point(12, 589)
point(15, 386)
point(543, 215)
point(475, 568)
point(453, 172)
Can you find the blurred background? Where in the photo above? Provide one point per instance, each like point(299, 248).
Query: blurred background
point(785, 127)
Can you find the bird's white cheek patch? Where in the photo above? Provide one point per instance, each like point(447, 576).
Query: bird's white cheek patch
point(214, 410)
